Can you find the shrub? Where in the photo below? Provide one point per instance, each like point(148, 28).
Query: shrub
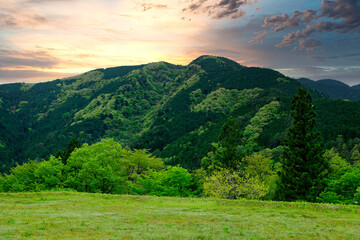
point(231, 185)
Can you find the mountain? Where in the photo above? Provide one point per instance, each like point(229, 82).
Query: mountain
point(333, 88)
point(356, 86)
point(175, 111)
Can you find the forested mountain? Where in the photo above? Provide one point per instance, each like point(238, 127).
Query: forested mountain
point(333, 88)
point(356, 86)
point(175, 111)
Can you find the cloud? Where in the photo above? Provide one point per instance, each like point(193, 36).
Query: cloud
point(220, 9)
point(308, 44)
point(21, 20)
point(352, 56)
point(280, 22)
point(340, 16)
point(20, 60)
point(147, 6)
point(258, 38)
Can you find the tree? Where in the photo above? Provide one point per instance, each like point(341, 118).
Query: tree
point(107, 167)
point(234, 185)
point(225, 153)
point(64, 155)
point(303, 164)
point(174, 181)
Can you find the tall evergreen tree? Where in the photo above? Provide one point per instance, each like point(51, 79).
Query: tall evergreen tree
point(225, 153)
point(303, 164)
point(73, 144)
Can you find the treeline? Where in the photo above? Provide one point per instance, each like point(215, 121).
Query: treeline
point(236, 168)
point(104, 167)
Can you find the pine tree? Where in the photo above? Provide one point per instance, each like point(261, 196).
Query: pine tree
point(303, 164)
point(73, 144)
point(229, 140)
point(225, 153)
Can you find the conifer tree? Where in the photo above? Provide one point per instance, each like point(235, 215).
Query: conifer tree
point(225, 153)
point(303, 164)
point(229, 140)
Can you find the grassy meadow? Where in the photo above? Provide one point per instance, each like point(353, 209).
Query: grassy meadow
point(69, 215)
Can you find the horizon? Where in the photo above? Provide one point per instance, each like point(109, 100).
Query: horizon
point(46, 40)
point(72, 76)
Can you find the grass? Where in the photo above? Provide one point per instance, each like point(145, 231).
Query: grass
point(68, 215)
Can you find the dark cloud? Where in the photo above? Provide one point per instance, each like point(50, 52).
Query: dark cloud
point(340, 16)
point(16, 59)
point(221, 9)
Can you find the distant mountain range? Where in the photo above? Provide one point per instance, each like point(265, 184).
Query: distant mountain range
point(175, 111)
point(333, 88)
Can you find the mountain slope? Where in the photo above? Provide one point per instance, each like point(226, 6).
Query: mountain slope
point(332, 88)
point(175, 111)
point(356, 86)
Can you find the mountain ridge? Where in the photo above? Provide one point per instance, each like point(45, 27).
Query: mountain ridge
point(175, 111)
point(333, 88)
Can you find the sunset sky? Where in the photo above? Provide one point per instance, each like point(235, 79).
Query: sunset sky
point(41, 40)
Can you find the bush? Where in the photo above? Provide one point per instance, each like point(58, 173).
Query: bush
point(344, 188)
point(22, 178)
point(231, 185)
point(175, 181)
point(107, 167)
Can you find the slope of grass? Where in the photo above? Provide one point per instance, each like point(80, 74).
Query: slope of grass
point(64, 215)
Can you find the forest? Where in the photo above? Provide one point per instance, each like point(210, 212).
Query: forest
point(213, 128)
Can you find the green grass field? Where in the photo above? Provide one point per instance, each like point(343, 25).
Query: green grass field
point(67, 215)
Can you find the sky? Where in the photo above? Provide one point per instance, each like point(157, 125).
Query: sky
point(42, 40)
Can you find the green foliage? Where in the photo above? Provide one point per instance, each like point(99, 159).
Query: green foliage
point(261, 166)
point(255, 127)
point(225, 153)
point(49, 174)
point(22, 178)
point(64, 155)
point(343, 188)
point(223, 100)
point(332, 88)
point(228, 184)
point(106, 167)
point(336, 161)
point(303, 165)
point(176, 112)
point(175, 181)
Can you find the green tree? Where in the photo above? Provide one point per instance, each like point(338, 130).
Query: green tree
point(343, 188)
point(49, 174)
point(175, 181)
point(225, 153)
point(229, 184)
point(107, 167)
point(64, 155)
point(303, 164)
point(22, 178)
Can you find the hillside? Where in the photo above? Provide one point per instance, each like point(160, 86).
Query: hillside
point(356, 86)
point(175, 111)
point(66, 215)
point(333, 88)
